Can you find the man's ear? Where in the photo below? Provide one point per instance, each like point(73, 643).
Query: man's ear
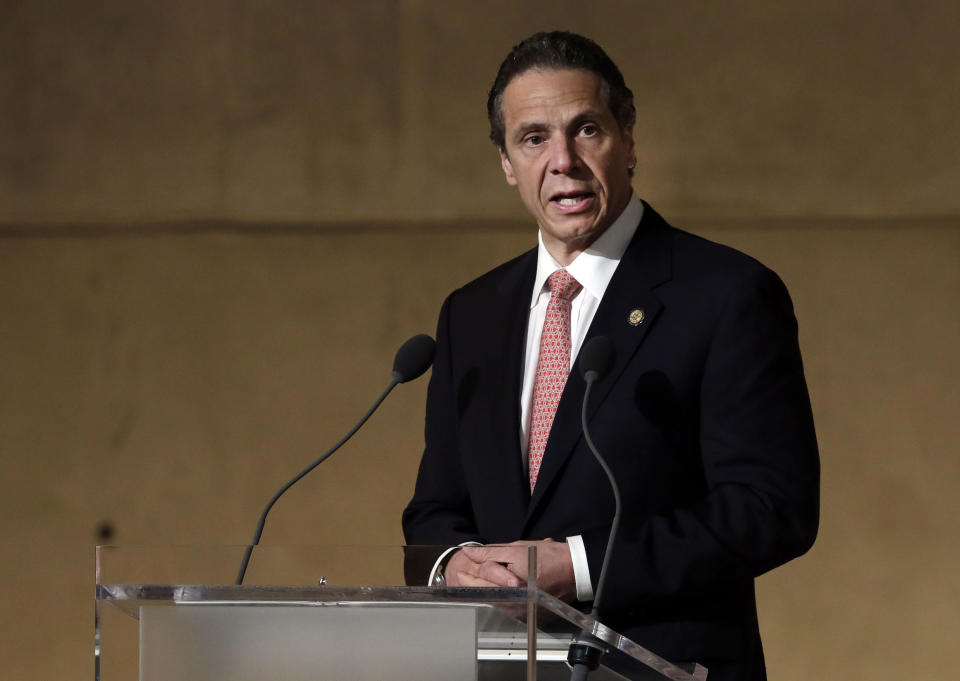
point(507, 168)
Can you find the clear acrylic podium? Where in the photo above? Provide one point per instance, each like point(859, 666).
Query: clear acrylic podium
point(334, 614)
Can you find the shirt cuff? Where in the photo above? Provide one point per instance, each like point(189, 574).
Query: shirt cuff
point(581, 568)
point(442, 560)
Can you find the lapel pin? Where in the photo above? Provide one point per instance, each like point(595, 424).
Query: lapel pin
point(636, 317)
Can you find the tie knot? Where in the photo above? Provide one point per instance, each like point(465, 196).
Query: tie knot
point(562, 285)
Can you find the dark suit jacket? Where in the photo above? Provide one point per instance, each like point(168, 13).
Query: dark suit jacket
point(704, 419)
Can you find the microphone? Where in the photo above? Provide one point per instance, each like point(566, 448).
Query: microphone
point(596, 360)
point(412, 359)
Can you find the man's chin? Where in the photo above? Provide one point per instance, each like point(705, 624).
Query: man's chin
point(571, 238)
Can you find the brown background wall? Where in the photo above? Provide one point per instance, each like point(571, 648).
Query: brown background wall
point(219, 219)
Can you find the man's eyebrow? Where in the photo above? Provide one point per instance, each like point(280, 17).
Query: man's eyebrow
point(525, 128)
point(592, 116)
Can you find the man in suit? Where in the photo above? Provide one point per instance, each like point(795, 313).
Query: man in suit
point(704, 418)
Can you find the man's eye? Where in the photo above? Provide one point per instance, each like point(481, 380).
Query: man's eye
point(533, 140)
point(589, 130)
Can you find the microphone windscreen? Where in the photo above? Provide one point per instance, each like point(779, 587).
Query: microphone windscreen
point(597, 355)
point(413, 358)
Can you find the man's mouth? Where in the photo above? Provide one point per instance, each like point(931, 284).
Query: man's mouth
point(572, 201)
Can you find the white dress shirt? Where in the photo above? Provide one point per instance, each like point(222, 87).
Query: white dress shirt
point(593, 268)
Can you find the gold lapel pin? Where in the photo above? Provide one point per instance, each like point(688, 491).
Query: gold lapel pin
point(636, 317)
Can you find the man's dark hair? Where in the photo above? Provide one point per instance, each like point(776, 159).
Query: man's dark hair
point(560, 50)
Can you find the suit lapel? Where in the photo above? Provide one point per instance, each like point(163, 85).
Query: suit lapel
point(507, 473)
point(645, 264)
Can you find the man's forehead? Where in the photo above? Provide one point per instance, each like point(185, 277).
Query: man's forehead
point(539, 91)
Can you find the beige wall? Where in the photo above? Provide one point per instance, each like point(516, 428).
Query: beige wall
point(134, 110)
point(218, 220)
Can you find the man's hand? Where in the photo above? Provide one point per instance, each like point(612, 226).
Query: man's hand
point(506, 565)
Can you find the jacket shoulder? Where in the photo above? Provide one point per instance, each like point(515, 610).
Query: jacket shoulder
point(706, 263)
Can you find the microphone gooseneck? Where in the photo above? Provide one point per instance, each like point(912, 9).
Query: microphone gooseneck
point(596, 360)
point(412, 359)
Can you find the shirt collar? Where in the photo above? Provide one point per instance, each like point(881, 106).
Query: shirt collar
point(594, 267)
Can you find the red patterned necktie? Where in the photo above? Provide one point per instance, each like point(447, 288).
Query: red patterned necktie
point(553, 366)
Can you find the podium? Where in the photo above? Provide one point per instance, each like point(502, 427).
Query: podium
point(335, 614)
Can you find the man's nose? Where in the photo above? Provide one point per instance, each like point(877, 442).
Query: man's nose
point(563, 155)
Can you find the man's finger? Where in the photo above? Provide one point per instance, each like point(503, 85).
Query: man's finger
point(466, 579)
point(498, 574)
point(505, 555)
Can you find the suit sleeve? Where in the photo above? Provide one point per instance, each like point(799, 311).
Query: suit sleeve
point(440, 513)
point(760, 503)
